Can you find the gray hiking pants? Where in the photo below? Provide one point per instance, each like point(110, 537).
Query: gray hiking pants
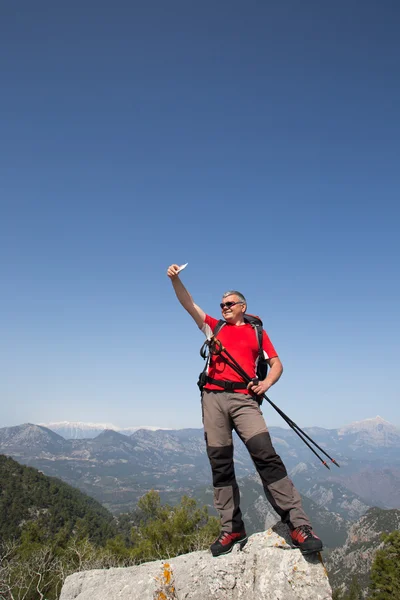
point(223, 412)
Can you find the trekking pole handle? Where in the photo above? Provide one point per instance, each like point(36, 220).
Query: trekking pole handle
point(215, 346)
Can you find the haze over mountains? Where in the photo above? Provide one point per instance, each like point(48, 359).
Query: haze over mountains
point(117, 468)
point(375, 428)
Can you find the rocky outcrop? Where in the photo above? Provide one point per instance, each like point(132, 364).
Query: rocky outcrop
point(268, 568)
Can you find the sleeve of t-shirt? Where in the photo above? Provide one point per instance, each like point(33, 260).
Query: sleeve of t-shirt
point(269, 350)
point(209, 326)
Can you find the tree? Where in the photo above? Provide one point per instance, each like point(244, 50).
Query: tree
point(166, 531)
point(355, 592)
point(385, 571)
point(25, 575)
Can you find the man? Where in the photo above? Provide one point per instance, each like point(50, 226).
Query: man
point(237, 408)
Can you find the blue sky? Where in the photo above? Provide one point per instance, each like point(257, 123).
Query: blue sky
point(257, 141)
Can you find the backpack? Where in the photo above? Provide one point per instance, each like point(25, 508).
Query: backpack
point(262, 364)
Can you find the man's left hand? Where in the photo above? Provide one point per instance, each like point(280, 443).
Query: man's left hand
point(260, 388)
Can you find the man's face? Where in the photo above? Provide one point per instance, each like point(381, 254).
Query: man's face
point(231, 313)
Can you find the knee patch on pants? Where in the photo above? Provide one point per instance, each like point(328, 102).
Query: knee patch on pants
point(221, 460)
point(268, 464)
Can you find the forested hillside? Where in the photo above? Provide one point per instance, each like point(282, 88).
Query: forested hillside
point(28, 496)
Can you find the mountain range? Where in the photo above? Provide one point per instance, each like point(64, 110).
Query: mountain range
point(117, 469)
point(78, 430)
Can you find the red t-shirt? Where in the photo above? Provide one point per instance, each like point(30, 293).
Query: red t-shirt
point(242, 343)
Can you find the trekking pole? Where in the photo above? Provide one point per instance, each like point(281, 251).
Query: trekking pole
point(293, 426)
point(214, 343)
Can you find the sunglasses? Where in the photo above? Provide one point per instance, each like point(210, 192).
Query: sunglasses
point(229, 304)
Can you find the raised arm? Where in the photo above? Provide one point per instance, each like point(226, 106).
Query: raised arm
point(184, 297)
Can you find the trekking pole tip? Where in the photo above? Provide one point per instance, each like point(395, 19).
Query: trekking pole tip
point(335, 463)
point(326, 465)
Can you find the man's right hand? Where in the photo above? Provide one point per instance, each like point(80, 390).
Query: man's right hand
point(173, 271)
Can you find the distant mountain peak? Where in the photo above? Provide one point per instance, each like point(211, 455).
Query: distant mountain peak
point(31, 429)
point(375, 432)
point(79, 424)
point(81, 429)
point(31, 436)
point(371, 424)
point(376, 420)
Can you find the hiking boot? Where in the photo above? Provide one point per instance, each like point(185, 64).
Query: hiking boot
point(304, 538)
point(225, 542)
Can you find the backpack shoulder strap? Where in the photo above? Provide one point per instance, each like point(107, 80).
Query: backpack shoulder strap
point(257, 325)
point(259, 333)
point(204, 349)
point(219, 326)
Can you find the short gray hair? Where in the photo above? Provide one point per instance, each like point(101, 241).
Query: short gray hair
point(235, 293)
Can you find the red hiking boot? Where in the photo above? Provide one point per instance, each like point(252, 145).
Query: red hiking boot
point(225, 542)
point(305, 539)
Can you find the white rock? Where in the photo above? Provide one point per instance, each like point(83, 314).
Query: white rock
point(266, 569)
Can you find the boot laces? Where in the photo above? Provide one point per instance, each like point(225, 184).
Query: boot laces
point(306, 530)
